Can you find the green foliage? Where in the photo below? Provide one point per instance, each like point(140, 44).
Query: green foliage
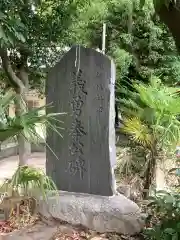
point(164, 213)
point(139, 43)
point(11, 28)
point(28, 181)
point(151, 114)
point(164, 217)
point(26, 123)
point(35, 23)
point(35, 32)
point(151, 119)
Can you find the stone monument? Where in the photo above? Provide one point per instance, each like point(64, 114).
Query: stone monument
point(82, 86)
point(81, 162)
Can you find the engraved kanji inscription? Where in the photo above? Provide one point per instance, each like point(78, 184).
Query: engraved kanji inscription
point(77, 90)
point(99, 87)
point(100, 97)
point(77, 165)
point(76, 105)
point(78, 128)
point(78, 84)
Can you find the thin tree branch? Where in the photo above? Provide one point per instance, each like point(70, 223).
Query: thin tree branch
point(13, 79)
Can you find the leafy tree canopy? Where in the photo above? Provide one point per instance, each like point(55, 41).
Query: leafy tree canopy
point(168, 11)
point(138, 41)
point(34, 33)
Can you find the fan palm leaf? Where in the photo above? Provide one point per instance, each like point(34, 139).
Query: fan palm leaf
point(139, 131)
point(26, 124)
point(29, 181)
point(155, 111)
point(152, 120)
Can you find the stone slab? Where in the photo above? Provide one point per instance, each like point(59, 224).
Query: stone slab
point(82, 86)
point(99, 213)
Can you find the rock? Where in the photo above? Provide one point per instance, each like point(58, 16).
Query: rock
point(124, 190)
point(99, 213)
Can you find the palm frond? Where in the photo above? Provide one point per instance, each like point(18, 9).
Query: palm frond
point(139, 131)
point(6, 99)
point(129, 104)
point(26, 124)
point(29, 181)
point(157, 106)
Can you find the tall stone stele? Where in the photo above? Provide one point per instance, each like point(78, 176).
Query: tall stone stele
point(82, 86)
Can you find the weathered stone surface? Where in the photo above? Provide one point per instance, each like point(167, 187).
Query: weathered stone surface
point(98, 213)
point(82, 85)
point(124, 190)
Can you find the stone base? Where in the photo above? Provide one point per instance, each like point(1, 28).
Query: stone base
point(99, 213)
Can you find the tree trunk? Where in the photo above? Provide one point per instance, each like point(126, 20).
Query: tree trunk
point(149, 173)
point(20, 84)
point(155, 171)
point(170, 16)
point(160, 171)
point(21, 107)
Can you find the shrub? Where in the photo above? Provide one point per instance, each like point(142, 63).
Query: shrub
point(20, 196)
point(27, 181)
point(163, 222)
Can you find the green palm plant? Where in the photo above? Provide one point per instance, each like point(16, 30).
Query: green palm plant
point(25, 124)
point(26, 179)
point(151, 119)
